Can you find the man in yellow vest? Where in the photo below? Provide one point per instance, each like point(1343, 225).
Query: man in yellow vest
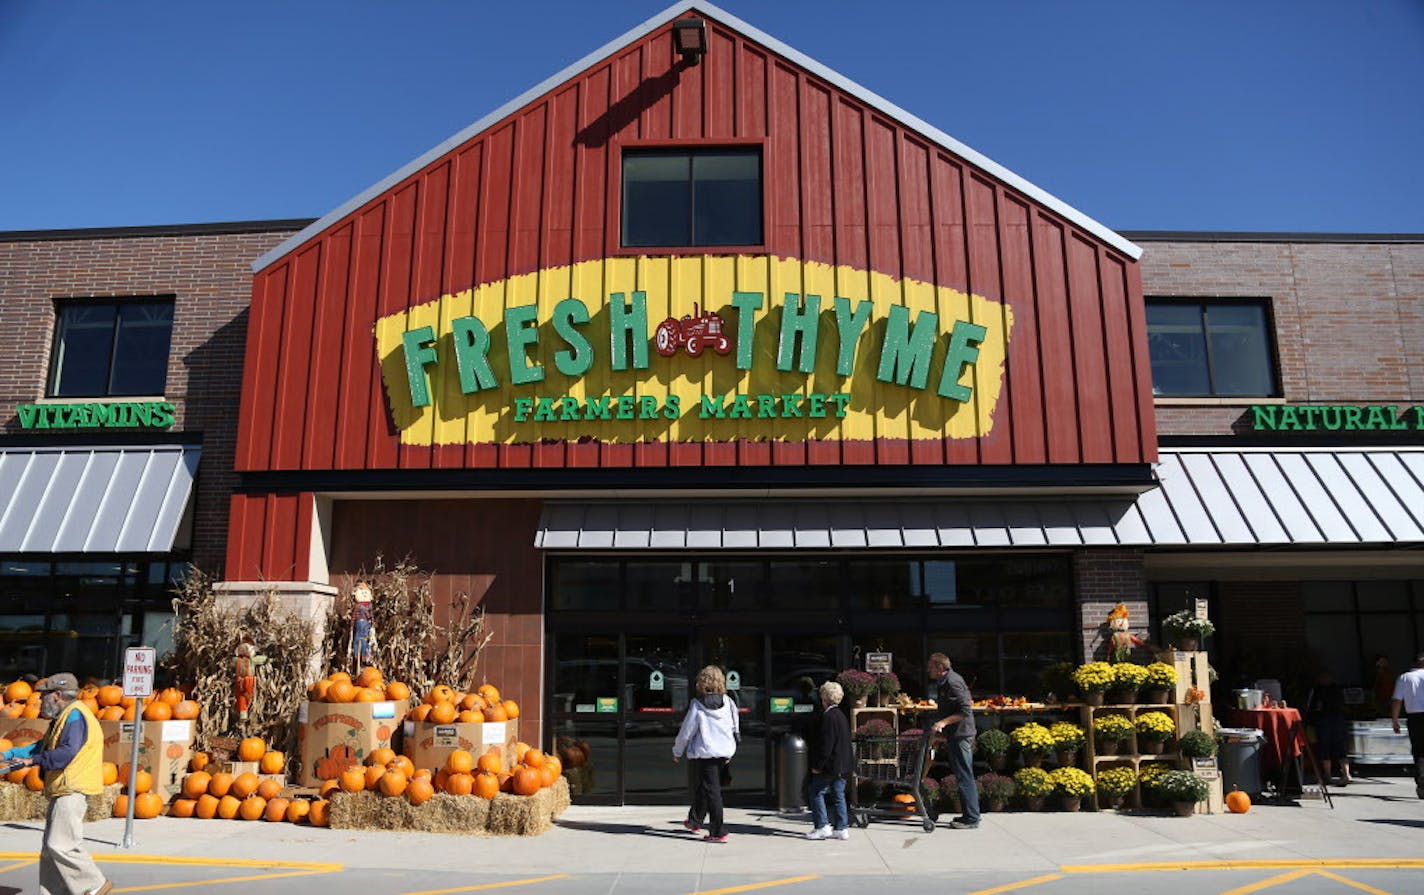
point(71, 758)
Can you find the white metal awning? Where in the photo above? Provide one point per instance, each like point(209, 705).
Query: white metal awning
point(1207, 497)
point(94, 499)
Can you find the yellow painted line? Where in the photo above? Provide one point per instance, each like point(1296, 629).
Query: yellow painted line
point(1281, 864)
point(18, 864)
point(1024, 884)
point(1349, 882)
point(751, 886)
point(227, 879)
point(124, 858)
point(1268, 882)
point(513, 882)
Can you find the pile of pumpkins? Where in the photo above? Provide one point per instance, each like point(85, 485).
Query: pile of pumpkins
point(368, 686)
point(108, 703)
point(21, 701)
point(245, 796)
point(30, 776)
point(446, 705)
point(463, 775)
point(147, 804)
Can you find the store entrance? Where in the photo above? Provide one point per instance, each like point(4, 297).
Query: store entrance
point(625, 695)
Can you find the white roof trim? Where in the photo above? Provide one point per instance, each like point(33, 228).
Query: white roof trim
point(660, 20)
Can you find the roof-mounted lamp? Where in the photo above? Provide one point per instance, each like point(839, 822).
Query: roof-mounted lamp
point(689, 37)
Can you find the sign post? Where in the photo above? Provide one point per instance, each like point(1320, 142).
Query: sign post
point(138, 683)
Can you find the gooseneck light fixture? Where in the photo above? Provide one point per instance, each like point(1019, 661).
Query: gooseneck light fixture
point(689, 37)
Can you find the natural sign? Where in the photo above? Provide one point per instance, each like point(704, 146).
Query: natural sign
point(1335, 418)
point(97, 415)
point(626, 349)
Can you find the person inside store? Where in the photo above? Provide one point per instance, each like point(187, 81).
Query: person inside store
point(1325, 710)
point(830, 766)
point(1409, 699)
point(71, 759)
point(708, 737)
point(955, 709)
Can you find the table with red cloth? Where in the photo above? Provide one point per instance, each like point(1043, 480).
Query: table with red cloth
point(1284, 732)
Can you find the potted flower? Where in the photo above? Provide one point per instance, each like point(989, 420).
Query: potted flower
point(1197, 744)
point(929, 788)
point(876, 739)
point(949, 793)
point(1110, 732)
point(1034, 785)
point(1128, 678)
point(1114, 784)
point(1071, 784)
point(856, 685)
point(1161, 678)
point(995, 790)
point(1148, 775)
point(1186, 630)
point(1033, 742)
point(1154, 729)
point(1068, 738)
point(1183, 789)
point(887, 685)
point(1057, 681)
point(1093, 679)
point(993, 745)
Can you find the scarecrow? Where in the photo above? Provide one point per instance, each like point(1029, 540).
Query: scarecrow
point(244, 668)
point(363, 634)
point(1121, 640)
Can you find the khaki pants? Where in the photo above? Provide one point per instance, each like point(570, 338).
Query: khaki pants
point(65, 867)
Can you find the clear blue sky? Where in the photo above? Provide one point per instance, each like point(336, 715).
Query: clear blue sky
point(1257, 115)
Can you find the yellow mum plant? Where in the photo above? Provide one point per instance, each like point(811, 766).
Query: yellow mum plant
point(1094, 677)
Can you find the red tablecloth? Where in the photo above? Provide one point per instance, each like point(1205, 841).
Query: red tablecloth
point(1276, 724)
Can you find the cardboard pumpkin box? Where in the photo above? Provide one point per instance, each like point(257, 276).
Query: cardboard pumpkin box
point(31, 729)
point(428, 744)
point(164, 750)
point(335, 736)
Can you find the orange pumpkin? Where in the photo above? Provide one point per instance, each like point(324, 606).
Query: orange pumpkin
point(297, 810)
point(148, 805)
point(143, 782)
point(443, 712)
point(272, 762)
point(397, 691)
point(13, 710)
point(220, 785)
point(486, 785)
point(370, 676)
point(340, 691)
point(251, 749)
point(339, 676)
point(491, 762)
point(367, 694)
point(110, 772)
point(470, 717)
point(108, 713)
point(511, 709)
point(127, 702)
point(1237, 802)
point(420, 712)
point(207, 808)
point(34, 782)
point(32, 712)
point(394, 783)
point(183, 808)
point(495, 712)
point(170, 695)
point(90, 703)
point(404, 765)
point(552, 761)
point(438, 694)
point(548, 776)
point(420, 774)
point(473, 702)
point(158, 710)
point(186, 710)
point(353, 780)
point(228, 806)
point(252, 808)
point(330, 786)
point(245, 784)
point(418, 792)
point(195, 784)
point(459, 784)
point(18, 691)
point(489, 692)
point(320, 813)
point(527, 781)
point(110, 694)
point(199, 761)
point(269, 789)
point(121, 806)
point(276, 811)
point(382, 757)
point(460, 762)
point(373, 776)
point(533, 758)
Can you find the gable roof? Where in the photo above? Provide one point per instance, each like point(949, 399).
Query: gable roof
point(661, 20)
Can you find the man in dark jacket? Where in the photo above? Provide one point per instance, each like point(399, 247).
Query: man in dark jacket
point(955, 712)
point(830, 765)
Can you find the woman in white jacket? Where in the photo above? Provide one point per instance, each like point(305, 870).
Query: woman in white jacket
point(708, 738)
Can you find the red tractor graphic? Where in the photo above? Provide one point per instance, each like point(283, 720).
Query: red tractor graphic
point(692, 333)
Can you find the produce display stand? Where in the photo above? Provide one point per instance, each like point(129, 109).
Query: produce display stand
point(898, 763)
point(1132, 757)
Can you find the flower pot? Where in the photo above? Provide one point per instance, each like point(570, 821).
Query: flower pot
point(1072, 803)
point(1033, 761)
point(1033, 803)
point(1111, 803)
point(993, 804)
point(1156, 697)
point(1109, 747)
point(1189, 644)
point(997, 761)
point(1067, 758)
point(1094, 698)
point(1184, 809)
point(859, 702)
point(1151, 747)
point(1122, 696)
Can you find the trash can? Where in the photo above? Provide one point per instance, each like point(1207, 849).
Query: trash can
point(791, 771)
point(1240, 759)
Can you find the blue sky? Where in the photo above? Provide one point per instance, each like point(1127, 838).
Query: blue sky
point(1300, 115)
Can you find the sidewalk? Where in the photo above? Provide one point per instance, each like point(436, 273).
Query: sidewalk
point(1374, 818)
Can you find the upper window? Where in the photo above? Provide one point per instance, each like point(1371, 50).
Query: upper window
point(104, 348)
point(1210, 349)
point(700, 197)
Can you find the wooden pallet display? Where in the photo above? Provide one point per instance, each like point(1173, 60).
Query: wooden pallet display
point(1131, 757)
point(889, 714)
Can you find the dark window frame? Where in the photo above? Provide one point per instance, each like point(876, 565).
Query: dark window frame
point(1204, 304)
point(617, 246)
point(56, 355)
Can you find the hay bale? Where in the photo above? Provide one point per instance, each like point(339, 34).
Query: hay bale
point(511, 815)
point(559, 795)
point(355, 811)
point(19, 802)
point(507, 815)
point(102, 805)
point(444, 813)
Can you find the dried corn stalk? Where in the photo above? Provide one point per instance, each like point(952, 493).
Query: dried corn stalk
point(206, 631)
point(416, 642)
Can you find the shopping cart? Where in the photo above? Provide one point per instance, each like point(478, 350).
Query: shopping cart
point(894, 764)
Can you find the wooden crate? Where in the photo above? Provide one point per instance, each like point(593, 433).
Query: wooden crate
point(1192, 671)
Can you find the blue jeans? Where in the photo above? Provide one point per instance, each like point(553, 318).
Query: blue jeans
point(961, 761)
point(820, 783)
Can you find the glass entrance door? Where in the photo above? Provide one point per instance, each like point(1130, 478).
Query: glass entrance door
point(656, 683)
point(742, 658)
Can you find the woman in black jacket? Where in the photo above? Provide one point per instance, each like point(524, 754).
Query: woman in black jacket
point(830, 765)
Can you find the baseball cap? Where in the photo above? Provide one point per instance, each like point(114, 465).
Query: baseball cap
point(61, 681)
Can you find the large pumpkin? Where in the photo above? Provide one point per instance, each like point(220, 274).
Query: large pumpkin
point(251, 749)
point(527, 781)
point(330, 786)
point(397, 691)
point(272, 762)
point(511, 709)
point(252, 808)
point(491, 761)
point(245, 784)
point(196, 783)
point(418, 792)
point(186, 710)
point(438, 694)
point(110, 772)
point(170, 695)
point(473, 702)
point(340, 691)
point(143, 781)
point(121, 806)
point(220, 785)
point(353, 780)
point(269, 788)
point(1237, 802)
point(373, 776)
point(183, 808)
point(18, 691)
point(199, 761)
point(394, 783)
point(460, 762)
point(548, 774)
point(148, 805)
point(297, 810)
point(443, 713)
point(494, 712)
point(533, 758)
point(320, 813)
point(489, 692)
point(420, 712)
point(486, 785)
point(370, 676)
point(108, 713)
point(207, 807)
point(276, 810)
point(459, 784)
point(382, 757)
point(369, 694)
point(228, 806)
point(110, 695)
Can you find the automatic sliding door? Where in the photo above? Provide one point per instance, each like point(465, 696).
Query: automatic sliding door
point(656, 684)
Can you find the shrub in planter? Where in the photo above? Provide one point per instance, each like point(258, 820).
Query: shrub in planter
point(1034, 785)
point(1057, 680)
point(1154, 729)
point(949, 792)
point(1185, 628)
point(929, 788)
point(1114, 783)
point(855, 683)
point(1033, 741)
point(1197, 744)
point(1183, 789)
point(1072, 784)
point(995, 790)
point(993, 744)
point(887, 683)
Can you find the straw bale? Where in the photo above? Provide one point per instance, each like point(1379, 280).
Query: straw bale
point(511, 815)
point(559, 795)
point(18, 802)
point(444, 813)
point(102, 805)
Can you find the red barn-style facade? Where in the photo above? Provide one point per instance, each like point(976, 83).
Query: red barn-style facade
point(686, 358)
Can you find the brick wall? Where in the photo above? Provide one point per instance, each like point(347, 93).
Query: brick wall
point(1102, 578)
point(210, 277)
point(1261, 632)
point(1349, 318)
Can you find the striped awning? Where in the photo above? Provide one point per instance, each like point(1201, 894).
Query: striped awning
point(94, 499)
point(1205, 498)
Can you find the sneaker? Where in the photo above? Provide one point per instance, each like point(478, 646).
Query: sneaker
point(958, 824)
point(710, 838)
point(840, 834)
point(820, 833)
point(102, 889)
point(691, 827)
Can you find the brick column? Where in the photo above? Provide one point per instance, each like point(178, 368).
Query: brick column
point(1102, 578)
